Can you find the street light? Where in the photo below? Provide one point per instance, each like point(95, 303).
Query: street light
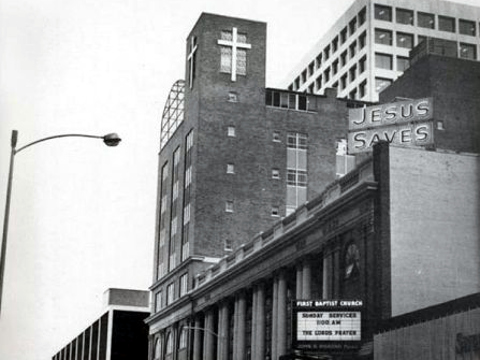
point(109, 140)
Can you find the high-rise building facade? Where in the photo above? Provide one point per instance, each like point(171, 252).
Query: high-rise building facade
point(368, 47)
point(235, 156)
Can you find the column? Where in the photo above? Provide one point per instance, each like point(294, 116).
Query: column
point(223, 331)
point(274, 318)
point(299, 282)
point(282, 315)
point(197, 340)
point(208, 336)
point(239, 326)
point(327, 275)
point(307, 279)
point(253, 334)
point(336, 273)
point(260, 319)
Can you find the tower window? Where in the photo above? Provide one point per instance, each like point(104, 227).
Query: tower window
point(383, 37)
point(404, 16)
point(466, 27)
point(276, 136)
point(230, 169)
point(404, 40)
point(275, 211)
point(231, 131)
point(446, 23)
point(228, 246)
point(229, 206)
point(232, 96)
point(275, 174)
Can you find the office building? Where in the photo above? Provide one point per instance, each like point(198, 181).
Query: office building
point(368, 47)
point(118, 334)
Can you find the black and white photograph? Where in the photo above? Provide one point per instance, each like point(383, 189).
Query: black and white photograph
point(240, 180)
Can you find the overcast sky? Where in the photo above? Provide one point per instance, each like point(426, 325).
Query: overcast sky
point(82, 214)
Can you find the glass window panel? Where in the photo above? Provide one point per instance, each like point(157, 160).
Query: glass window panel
point(383, 61)
point(404, 16)
point(383, 37)
point(382, 83)
point(426, 20)
point(446, 23)
point(404, 40)
point(362, 16)
point(383, 12)
point(241, 62)
point(226, 59)
point(468, 51)
point(403, 63)
point(466, 27)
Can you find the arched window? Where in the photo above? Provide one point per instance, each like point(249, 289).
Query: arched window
point(169, 344)
point(182, 343)
point(158, 350)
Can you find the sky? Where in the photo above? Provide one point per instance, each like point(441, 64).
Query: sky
point(82, 216)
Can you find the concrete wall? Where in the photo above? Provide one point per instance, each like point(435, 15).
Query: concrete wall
point(435, 212)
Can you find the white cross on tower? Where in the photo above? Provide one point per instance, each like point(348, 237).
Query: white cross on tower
point(191, 60)
point(235, 45)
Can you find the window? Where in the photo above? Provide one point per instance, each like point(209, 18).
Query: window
point(311, 68)
point(227, 244)
point(362, 16)
point(326, 75)
point(466, 27)
point(353, 94)
point(383, 12)
point(297, 141)
point(343, 36)
point(363, 64)
point(343, 82)
point(276, 136)
point(182, 341)
point(335, 44)
point(157, 355)
point(363, 89)
point(383, 37)
point(362, 40)
point(229, 206)
point(304, 76)
point(227, 43)
point(318, 82)
point(310, 88)
point(404, 16)
point(426, 20)
point(230, 169)
point(420, 39)
point(170, 293)
point(232, 96)
point(275, 211)
point(403, 63)
point(353, 73)
point(318, 60)
point(326, 52)
point(468, 51)
point(335, 67)
point(352, 25)
point(296, 177)
point(275, 174)
point(404, 40)
point(231, 131)
point(446, 23)
point(183, 284)
point(353, 49)
point(440, 125)
point(382, 83)
point(383, 61)
point(158, 301)
point(344, 162)
point(343, 58)
point(169, 344)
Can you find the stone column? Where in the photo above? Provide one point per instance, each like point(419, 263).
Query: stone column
point(327, 275)
point(208, 336)
point(197, 340)
point(307, 279)
point(240, 317)
point(223, 331)
point(282, 315)
point(274, 318)
point(299, 282)
point(260, 320)
point(253, 335)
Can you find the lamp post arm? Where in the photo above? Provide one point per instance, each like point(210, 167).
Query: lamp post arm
point(56, 137)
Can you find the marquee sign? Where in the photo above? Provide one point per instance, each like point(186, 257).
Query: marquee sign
point(403, 123)
point(327, 324)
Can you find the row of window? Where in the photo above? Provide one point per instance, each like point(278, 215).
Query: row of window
point(172, 294)
point(385, 61)
point(348, 54)
point(425, 20)
point(285, 100)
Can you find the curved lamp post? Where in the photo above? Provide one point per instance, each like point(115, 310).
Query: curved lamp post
point(109, 140)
